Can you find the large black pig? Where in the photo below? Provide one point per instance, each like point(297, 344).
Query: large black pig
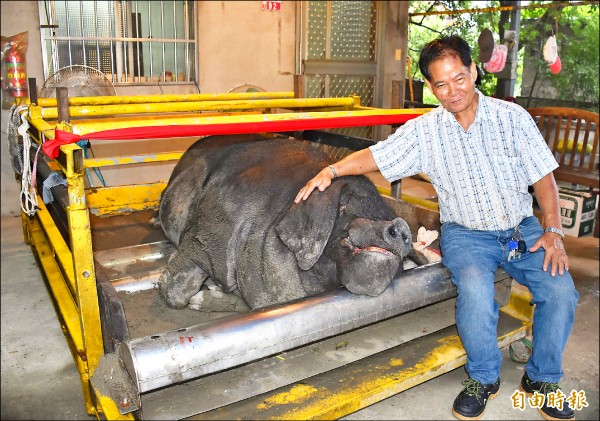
point(229, 210)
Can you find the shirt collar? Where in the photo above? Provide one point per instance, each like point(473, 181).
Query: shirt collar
point(483, 109)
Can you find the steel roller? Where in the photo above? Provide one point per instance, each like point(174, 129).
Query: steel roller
point(178, 355)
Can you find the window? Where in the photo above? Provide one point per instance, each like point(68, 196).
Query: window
point(339, 56)
point(129, 41)
point(340, 49)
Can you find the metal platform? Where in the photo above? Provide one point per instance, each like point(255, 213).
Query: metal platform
point(303, 372)
point(319, 357)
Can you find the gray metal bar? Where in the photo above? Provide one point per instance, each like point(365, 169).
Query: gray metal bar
point(183, 354)
point(125, 28)
point(298, 365)
point(187, 44)
point(162, 31)
point(112, 35)
point(62, 102)
point(31, 83)
point(339, 67)
point(298, 86)
point(68, 34)
point(150, 43)
point(396, 191)
point(135, 25)
point(81, 15)
point(98, 61)
point(176, 72)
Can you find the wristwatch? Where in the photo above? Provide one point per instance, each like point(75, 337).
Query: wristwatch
point(555, 231)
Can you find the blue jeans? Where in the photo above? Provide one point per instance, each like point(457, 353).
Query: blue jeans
point(473, 256)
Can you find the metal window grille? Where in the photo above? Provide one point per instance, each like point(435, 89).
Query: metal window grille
point(340, 57)
point(129, 41)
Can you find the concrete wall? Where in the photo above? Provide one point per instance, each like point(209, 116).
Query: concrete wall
point(238, 43)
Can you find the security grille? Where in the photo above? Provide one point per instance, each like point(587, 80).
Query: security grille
point(129, 41)
point(340, 57)
point(353, 30)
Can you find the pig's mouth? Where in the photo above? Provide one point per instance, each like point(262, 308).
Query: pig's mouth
point(355, 250)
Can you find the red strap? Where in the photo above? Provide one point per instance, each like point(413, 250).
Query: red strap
point(51, 147)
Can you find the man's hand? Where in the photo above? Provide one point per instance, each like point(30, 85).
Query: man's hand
point(357, 163)
point(546, 194)
point(556, 255)
point(321, 181)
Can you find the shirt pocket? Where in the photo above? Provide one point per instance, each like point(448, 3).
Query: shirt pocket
point(509, 172)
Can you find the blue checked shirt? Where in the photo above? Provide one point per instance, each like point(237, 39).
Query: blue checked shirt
point(481, 175)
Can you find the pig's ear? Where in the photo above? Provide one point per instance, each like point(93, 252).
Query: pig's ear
point(307, 226)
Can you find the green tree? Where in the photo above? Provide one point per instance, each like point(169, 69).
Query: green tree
point(577, 38)
point(423, 29)
point(576, 30)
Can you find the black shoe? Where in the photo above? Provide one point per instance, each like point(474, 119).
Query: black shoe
point(548, 412)
point(470, 403)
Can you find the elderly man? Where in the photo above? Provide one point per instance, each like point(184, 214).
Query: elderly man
point(481, 155)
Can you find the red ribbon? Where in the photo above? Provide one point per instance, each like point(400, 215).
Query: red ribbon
point(51, 147)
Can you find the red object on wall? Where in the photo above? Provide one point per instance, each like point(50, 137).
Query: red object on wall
point(16, 73)
point(271, 5)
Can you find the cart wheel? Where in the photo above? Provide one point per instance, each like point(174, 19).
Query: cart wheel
point(520, 350)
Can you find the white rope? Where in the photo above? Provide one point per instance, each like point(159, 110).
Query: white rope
point(29, 202)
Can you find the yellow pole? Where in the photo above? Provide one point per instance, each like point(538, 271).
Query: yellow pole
point(140, 99)
point(92, 126)
point(166, 107)
point(83, 264)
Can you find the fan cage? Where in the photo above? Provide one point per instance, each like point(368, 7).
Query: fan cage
point(82, 81)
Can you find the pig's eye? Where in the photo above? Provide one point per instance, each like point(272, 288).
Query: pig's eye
point(393, 231)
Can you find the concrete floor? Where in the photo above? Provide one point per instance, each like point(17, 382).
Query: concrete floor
point(40, 381)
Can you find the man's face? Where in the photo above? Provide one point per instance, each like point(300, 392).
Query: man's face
point(452, 83)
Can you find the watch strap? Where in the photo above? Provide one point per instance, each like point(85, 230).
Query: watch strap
point(555, 231)
point(333, 171)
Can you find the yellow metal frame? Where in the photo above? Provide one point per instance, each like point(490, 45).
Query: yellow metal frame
point(69, 269)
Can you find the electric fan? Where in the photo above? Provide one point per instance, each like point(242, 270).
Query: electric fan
point(82, 81)
point(246, 87)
